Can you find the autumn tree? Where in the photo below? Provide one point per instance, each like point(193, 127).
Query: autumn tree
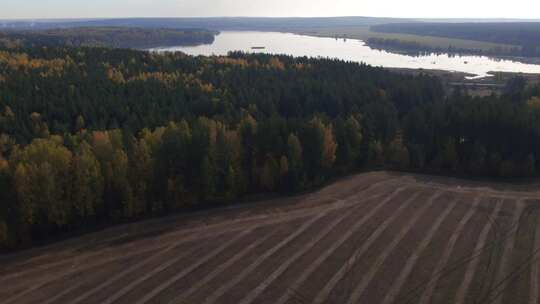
point(229, 180)
point(270, 173)
point(319, 149)
point(40, 127)
point(7, 120)
point(448, 156)
point(6, 145)
point(43, 182)
point(314, 146)
point(375, 153)
point(329, 148)
point(141, 170)
point(172, 165)
point(3, 233)
point(88, 183)
point(248, 133)
point(294, 158)
point(5, 185)
point(284, 173)
point(202, 155)
point(80, 123)
point(478, 160)
point(121, 190)
point(349, 138)
point(398, 154)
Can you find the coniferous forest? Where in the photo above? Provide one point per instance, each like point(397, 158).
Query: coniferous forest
point(112, 36)
point(94, 136)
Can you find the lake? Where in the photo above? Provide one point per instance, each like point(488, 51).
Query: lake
point(349, 50)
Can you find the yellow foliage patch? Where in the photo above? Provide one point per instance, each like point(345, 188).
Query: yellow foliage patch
point(165, 78)
point(3, 164)
point(534, 102)
point(21, 62)
point(232, 61)
point(276, 64)
point(115, 76)
point(207, 88)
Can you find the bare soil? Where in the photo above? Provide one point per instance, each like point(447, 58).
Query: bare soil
point(379, 237)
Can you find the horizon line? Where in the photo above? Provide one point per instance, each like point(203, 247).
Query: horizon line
point(263, 17)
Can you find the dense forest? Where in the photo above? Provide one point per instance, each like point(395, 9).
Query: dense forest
point(116, 37)
point(93, 136)
point(525, 35)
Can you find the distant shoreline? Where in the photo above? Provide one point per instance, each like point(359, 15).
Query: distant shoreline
point(419, 52)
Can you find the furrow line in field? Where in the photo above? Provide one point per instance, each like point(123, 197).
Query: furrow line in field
point(509, 247)
point(220, 269)
point(322, 296)
point(212, 298)
point(472, 264)
point(51, 278)
point(368, 277)
point(437, 272)
point(534, 294)
point(267, 221)
point(249, 298)
point(313, 266)
point(413, 259)
point(194, 266)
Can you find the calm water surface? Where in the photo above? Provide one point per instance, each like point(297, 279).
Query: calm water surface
point(350, 50)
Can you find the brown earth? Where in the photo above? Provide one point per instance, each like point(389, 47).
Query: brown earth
point(378, 237)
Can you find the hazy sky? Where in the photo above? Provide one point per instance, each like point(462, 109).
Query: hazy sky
point(11, 9)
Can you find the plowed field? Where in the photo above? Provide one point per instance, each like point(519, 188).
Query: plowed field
point(371, 238)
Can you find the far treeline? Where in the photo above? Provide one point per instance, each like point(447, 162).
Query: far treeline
point(419, 49)
point(525, 36)
point(115, 37)
point(94, 136)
